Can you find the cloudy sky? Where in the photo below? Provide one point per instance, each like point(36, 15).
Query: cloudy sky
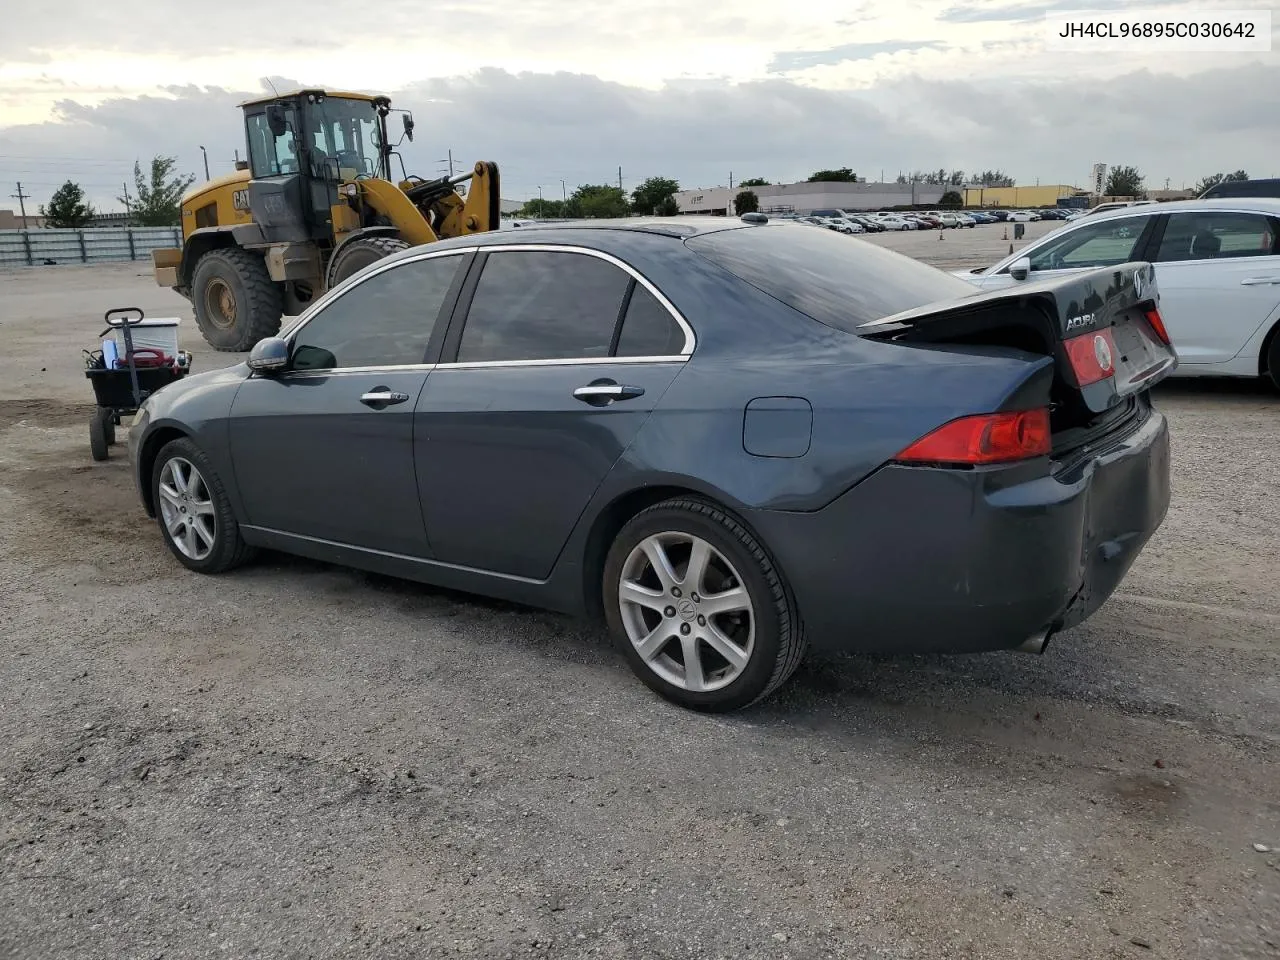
point(572, 89)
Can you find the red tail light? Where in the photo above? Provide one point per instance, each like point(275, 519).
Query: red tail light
point(985, 438)
point(1092, 356)
point(1157, 324)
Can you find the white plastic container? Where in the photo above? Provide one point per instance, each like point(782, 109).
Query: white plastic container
point(160, 333)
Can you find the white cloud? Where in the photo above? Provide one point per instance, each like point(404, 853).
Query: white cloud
point(570, 89)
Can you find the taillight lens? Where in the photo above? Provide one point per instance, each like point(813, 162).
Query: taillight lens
point(985, 438)
point(1092, 356)
point(1157, 324)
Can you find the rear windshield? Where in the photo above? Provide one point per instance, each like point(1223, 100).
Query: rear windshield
point(840, 281)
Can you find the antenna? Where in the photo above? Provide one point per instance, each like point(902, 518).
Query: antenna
point(267, 81)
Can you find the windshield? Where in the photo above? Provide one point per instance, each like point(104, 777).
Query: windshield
point(345, 131)
point(837, 281)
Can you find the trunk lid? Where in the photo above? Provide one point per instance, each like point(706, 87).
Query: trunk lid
point(1102, 328)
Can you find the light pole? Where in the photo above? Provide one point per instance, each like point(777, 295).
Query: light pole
point(206, 162)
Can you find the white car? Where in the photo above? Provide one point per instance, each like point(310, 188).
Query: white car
point(1022, 216)
point(895, 223)
point(846, 226)
point(1217, 266)
point(964, 220)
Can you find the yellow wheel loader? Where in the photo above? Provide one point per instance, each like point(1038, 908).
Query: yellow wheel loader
point(313, 204)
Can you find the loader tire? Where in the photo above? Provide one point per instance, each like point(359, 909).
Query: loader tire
point(358, 254)
point(236, 301)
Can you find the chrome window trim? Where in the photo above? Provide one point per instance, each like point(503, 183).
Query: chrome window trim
point(555, 362)
point(325, 302)
point(690, 339)
point(345, 371)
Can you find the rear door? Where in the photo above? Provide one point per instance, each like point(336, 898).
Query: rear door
point(560, 357)
point(1091, 244)
point(1219, 275)
point(324, 449)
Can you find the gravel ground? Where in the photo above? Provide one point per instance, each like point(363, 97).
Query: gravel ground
point(298, 760)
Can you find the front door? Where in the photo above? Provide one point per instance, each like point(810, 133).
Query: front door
point(1103, 243)
point(561, 358)
point(1218, 273)
point(324, 449)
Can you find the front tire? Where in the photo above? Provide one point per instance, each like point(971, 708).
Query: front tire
point(235, 300)
point(698, 608)
point(358, 254)
point(193, 510)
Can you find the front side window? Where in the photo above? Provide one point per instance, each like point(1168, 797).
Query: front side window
point(1104, 244)
point(542, 305)
point(271, 156)
point(385, 320)
point(1209, 235)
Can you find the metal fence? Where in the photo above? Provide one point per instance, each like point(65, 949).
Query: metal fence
point(91, 245)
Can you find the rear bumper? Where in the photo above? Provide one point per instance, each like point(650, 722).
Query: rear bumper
point(929, 560)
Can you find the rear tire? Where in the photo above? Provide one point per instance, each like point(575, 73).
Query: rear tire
point(98, 443)
point(1273, 359)
point(736, 616)
point(358, 254)
point(236, 302)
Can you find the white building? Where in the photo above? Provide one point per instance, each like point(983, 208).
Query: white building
point(803, 198)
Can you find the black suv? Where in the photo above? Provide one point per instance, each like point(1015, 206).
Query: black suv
point(1243, 188)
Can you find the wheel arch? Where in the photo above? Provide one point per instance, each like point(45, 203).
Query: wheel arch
point(615, 514)
point(1265, 349)
point(364, 233)
point(198, 244)
point(152, 444)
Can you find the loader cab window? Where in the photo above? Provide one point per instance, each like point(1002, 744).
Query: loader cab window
point(345, 131)
point(271, 156)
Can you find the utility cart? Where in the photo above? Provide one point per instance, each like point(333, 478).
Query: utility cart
point(138, 357)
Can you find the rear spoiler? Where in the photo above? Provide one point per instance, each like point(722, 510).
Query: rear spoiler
point(1078, 302)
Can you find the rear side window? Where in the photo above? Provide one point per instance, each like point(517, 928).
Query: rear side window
point(840, 281)
point(541, 305)
point(648, 329)
point(1210, 235)
point(385, 320)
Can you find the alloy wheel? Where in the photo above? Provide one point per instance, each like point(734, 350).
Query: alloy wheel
point(186, 508)
point(686, 611)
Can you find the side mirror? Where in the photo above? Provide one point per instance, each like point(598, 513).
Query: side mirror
point(1020, 268)
point(407, 120)
point(276, 121)
point(271, 353)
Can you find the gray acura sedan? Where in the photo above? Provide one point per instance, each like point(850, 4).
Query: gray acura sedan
point(733, 440)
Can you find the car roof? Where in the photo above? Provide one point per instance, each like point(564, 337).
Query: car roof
point(1267, 205)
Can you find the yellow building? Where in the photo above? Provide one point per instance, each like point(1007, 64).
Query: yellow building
point(1046, 196)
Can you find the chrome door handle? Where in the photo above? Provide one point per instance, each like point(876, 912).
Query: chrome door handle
point(604, 392)
point(382, 397)
point(1258, 281)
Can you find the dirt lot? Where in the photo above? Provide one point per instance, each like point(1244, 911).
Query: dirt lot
point(296, 760)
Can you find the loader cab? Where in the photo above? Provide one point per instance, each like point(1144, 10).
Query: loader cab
point(302, 147)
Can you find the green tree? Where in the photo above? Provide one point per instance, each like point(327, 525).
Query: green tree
point(956, 178)
point(67, 207)
point(542, 208)
point(647, 197)
point(994, 178)
point(159, 198)
point(668, 208)
point(1125, 182)
point(597, 201)
point(746, 202)
point(1217, 178)
point(843, 175)
point(951, 198)
point(754, 182)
